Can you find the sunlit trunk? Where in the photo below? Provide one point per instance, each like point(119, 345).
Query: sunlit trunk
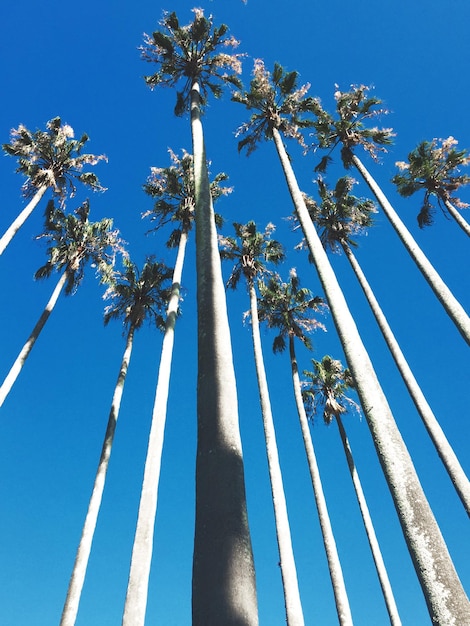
point(69, 614)
point(458, 217)
point(137, 587)
point(445, 597)
point(21, 218)
point(224, 590)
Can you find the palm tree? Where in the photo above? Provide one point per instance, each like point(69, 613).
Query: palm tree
point(136, 296)
point(440, 583)
point(339, 216)
point(49, 159)
point(326, 389)
point(288, 307)
point(434, 166)
point(173, 190)
point(73, 241)
point(224, 591)
point(353, 109)
point(251, 250)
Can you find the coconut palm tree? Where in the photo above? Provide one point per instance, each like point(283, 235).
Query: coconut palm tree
point(354, 109)
point(173, 190)
point(325, 389)
point(434, 167)
point(199, 57)
point(50, 159)
point(426, 545)
point(74, 242)
point(288, 308)
point(136, 296)
point(252, 250)
point(339, 217)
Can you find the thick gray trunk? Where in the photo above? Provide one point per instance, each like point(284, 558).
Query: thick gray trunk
point(69, 614)
point(370, 531)
point(444, 449)
point(294, 613)
point(224, 590)
point(21, 218)
point(458, 217)
point(28, 346)
point(336, 573)
point(443, 293)
point(137, 587)
point(445, 597)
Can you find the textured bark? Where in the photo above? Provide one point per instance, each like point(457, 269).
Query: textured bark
point(336, 573)
point(444, 449)
point(370, 531)
point(224, 590)
point(21, 218)
point(69, 614)
point(28, 346)
point(445, 597)
point(453, 308)
point(137, 587)
point(464, 225)
point(294, 613)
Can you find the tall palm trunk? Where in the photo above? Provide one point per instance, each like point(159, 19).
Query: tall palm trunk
point(28, 346)
point(294, 613)
point(464, 225)
point(224, 590)
point(444, 449)
point(370, 531)
point(137, 587)
point(334, 565)
point(21, 218)
point(443, 293)
point(69, 614)
point(445, 597)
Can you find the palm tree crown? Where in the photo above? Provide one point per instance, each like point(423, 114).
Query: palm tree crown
point(288, 307)
point(250, 253)
point(73, 241)
point(190, 54)
point(353, 108)
point(52, 158)
point(277, 102)
point(434, 167)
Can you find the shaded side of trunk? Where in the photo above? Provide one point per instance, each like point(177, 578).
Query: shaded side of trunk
point(137, 587)
point(336, 573)
point(69, 614)
point(370, 531)
point(224, 590)
point(21, 218)
point(445, 597)
point(453, 308)
point(28, 346)
point(458, 217)
point(294, 613)
point(444, 449)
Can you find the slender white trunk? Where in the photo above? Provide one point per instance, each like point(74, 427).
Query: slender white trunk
point(444, 449)
point(443, 293)
point(69, 613)
point(294, 613)
point(336, 573)
point(28, 346)
point(137, 586)
point(458, 217)
point(224, 590)
point(370, 531)
point(445, 597)
point(21, 218)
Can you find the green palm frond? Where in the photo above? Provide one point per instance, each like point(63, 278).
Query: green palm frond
point(52, 158)
point(197, 52)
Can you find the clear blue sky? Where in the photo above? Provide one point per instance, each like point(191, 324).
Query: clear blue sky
point(80, 61)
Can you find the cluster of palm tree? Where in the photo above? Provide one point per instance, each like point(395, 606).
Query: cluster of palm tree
point(199, 59)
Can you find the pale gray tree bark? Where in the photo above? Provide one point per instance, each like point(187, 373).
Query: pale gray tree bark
point(21, 218)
